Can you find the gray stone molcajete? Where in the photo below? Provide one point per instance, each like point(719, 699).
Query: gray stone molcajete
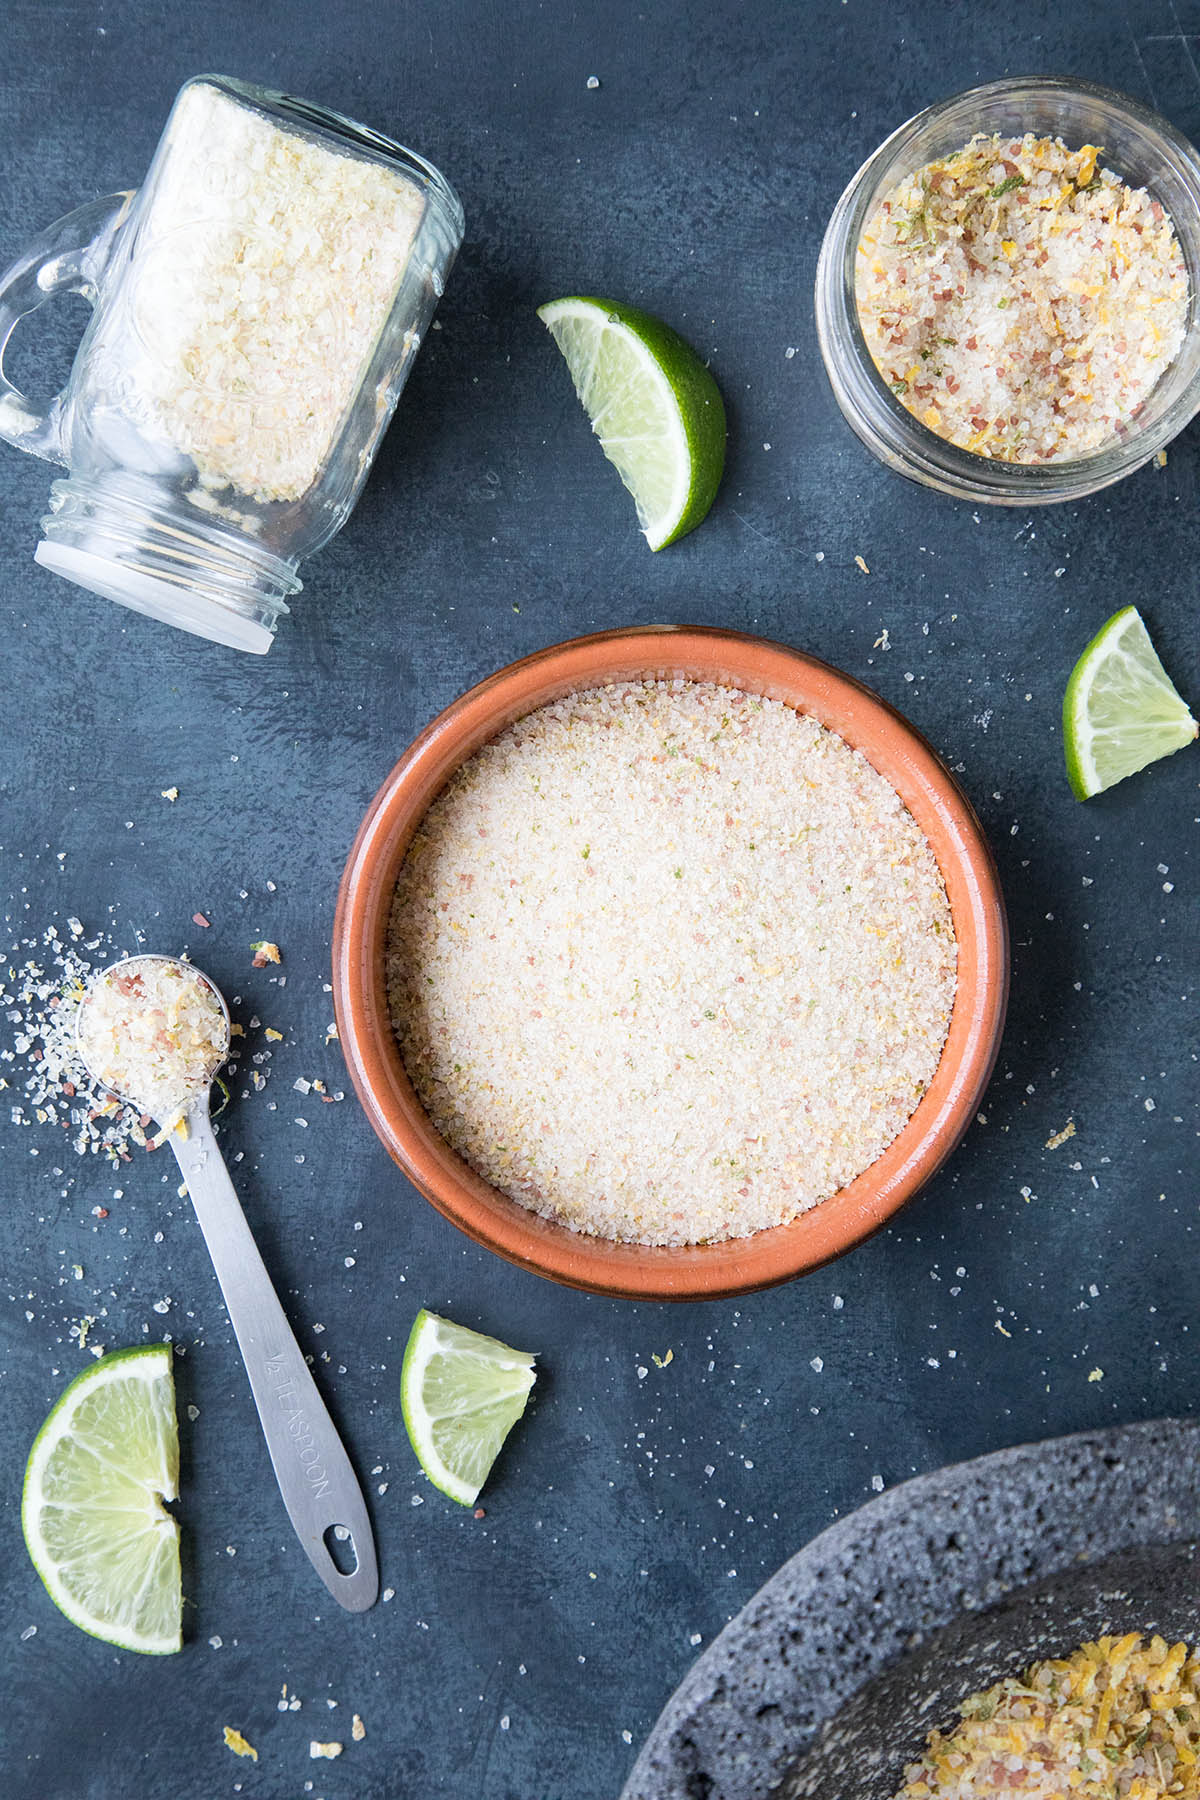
point(827, 1681)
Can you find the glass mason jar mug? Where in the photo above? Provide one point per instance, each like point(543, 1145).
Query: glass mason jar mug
point(257, 306)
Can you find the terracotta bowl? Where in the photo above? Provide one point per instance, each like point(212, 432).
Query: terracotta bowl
point(637, 1271)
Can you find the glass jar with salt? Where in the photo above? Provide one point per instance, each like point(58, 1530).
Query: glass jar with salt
point(257, 306)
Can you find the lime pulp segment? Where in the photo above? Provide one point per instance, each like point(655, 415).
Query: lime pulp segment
point(653, 404)
point(1121, 710)
point(101, 1465)
point(461, 1393)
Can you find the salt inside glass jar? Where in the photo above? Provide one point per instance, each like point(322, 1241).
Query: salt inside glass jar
point(257, 307)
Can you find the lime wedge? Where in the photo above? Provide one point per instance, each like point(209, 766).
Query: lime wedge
point(1121, 710)
point(654, 406)
point(105, 1459)
point(461, 1394)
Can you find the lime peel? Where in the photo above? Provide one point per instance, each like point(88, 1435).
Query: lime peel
point(105, 1459)
point(460, 1393)
point(1121, 711)
point(653, 404)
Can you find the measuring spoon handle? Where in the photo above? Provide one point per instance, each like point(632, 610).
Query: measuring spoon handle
point(315, 1476)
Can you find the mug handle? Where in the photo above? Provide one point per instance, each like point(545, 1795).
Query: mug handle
point(69, 257)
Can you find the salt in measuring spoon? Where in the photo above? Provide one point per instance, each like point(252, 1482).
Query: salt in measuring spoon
point(155, 1031)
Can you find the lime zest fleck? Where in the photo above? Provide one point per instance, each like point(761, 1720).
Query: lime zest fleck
point(237, 1743)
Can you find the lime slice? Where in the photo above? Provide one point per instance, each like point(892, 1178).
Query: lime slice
point(461, 1394)
point(105, 1458)
point(1120, 710)
point(654, 406)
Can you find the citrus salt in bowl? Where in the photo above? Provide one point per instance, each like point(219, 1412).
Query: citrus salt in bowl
point(613, 1054)
point(1006, 295)
point(670, 962)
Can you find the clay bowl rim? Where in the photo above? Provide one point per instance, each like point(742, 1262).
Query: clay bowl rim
point(738, 1265)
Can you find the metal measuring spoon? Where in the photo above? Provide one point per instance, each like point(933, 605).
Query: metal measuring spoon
point(318, 1484)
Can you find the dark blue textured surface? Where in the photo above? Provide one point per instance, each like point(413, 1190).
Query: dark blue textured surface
point(696, 181)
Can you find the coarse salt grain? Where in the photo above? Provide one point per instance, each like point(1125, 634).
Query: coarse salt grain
point(670, 963)
point(1019, 300)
